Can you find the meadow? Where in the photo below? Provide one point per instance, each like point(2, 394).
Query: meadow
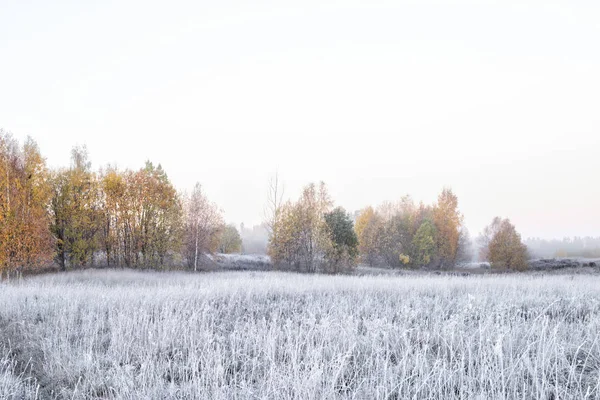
point(275, 335)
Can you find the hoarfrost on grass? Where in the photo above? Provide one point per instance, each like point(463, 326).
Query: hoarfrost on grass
point(126, 334)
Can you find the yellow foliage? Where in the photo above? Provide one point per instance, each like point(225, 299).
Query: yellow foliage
point(404, 259)
point(300, 237)
point(447, 220)
point(367, 229)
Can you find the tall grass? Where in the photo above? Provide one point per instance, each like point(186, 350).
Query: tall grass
point(129, 335)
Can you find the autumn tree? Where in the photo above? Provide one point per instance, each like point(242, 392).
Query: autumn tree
point(283, 245)
point(25, 238)
point(158, 215)
point(404, 234)
point(36, 187)
point(424, 244)
point(113, 208)
point(448, 222)
point(10, 177)
point(275, 192)
point(203, 226)
point(505, 250)
point(343, 250)
point(367, 229)
point(396, 232)
point(485, 237)
point(230, 240)
point(300, 236)
point(76, 211)
point(141, 218)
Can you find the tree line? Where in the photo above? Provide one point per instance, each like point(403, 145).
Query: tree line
point(76, 217)
point(588, 247)
point(310, 234)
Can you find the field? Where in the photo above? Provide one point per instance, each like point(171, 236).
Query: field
point(270, 335)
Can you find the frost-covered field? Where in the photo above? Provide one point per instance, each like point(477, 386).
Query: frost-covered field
point(129, 335)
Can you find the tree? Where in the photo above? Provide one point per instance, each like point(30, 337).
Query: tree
point(300, 237)
point(396, 231)
point(505, 249)
point(230, 241)
point(114, 207)
point(159, 215)
point(203, 226)
point(25, 238)
point(37, 193)
point(344, 242)
point(424, 244)
point(448, 221)
point(486, 236)
point(464, 253)
point(283, 246)
point(367, 229)
point(275, 194)
point(141, 217)
point(401, 234)
point(76, 211)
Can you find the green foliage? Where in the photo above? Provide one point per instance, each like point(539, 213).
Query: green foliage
point(424, 244)
point(230, 241)
point(76, 211)
point(300, 236)
point(368, 229)
point(344, 242)
point(400, 234)
point(341, 230)
point(154, 217)
point(395, 239)
point(396, 231)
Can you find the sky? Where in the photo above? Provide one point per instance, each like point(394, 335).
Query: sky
point(499, 100)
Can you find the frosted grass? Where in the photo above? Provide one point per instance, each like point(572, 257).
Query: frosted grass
point(269, 335)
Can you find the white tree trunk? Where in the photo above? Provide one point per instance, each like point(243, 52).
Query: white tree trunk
point(196, 251)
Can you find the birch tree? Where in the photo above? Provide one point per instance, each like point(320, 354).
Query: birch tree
point(275, 192)
point(76, 211)
point(300, 235)
point(25, 238)
point(503, 246)
point(448, 221)
point(203, 225)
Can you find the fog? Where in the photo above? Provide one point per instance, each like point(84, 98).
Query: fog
point(254, 239)
point(588, 247)
point(497, 100)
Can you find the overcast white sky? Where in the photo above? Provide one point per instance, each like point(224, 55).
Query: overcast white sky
point(498, 100)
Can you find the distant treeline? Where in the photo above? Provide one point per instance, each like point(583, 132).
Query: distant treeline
point(588, 247)
point(76, 217)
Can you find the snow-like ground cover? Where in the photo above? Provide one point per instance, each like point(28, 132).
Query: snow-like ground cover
point(473, 265)
point(134, 335)
point(246, 258)
point(238, 262)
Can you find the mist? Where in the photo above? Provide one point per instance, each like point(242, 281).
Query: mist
point(377, 99)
